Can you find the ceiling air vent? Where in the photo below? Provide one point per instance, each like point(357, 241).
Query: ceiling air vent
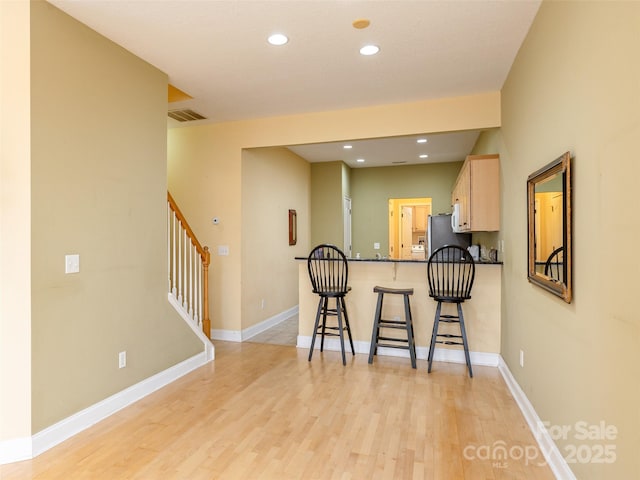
point(185, 115)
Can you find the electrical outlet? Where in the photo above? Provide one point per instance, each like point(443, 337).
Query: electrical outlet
point(122, 359)
point(522, 358)
point(376, 246)
point(262, 303)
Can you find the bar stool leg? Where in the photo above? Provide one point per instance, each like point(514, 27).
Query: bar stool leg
point(463, 332)
point(434, 335)
point(315, 328)
point(325, 306)
point(346, 322)
point(409, 320)
point(340, 330)
point(375, 333)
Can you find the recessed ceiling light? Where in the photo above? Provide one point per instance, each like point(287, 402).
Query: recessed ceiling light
point(360, 160)
point(424, 155)
point(422, 140)
point(347, 147)
point(278, 39)
point(369, 50)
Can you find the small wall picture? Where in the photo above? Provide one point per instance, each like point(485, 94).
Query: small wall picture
point(293, 227)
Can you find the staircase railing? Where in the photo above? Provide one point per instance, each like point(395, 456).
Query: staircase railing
point(188, 263)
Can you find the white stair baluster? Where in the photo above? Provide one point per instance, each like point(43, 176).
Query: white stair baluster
point(173, 254)
point(190, 296)
point(184, 285)
point(198, 318)
point(179, 272)
point(169, 245)
point(198, 290)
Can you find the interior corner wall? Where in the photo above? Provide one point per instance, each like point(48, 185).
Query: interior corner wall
point(575, 86)
point(346, 180)
point(327, 221)
point(274, 181)
point(98, 189)
point(15, 231)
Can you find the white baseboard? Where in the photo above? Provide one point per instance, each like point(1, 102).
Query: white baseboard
point(549, 449)
point(15, 450)
point(254, 330)
point(440, 355)
point(61, 431)
point(247, 333)
point(226, 335)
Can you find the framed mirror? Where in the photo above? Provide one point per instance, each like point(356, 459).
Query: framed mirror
point(549, 227)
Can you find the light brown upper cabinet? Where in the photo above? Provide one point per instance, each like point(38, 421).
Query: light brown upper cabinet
point(420, 213)
point(476, 195)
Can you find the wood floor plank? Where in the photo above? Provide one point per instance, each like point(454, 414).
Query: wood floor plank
point(265, 412)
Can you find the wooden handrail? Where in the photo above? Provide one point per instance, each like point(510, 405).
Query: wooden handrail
point(205, 255)
point(186, 226)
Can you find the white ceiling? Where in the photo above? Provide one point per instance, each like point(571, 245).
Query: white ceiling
point(377, 152)
point(216, 50)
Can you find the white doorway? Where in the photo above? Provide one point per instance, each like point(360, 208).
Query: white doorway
point(407, 225)
point(347, 227)
point(406, 232)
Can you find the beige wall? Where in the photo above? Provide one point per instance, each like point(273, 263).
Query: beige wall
point(575, 85)
point(15, 225)
point(371, 189)
point(98, 189)
point(274, 180)
point(205, 175)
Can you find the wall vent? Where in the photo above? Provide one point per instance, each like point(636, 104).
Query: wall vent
point(185, 115)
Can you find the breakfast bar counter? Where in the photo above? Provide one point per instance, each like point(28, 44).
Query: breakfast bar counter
point(481, 312)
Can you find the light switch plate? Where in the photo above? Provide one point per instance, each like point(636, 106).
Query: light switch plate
point(223, 250)
point(71, 263)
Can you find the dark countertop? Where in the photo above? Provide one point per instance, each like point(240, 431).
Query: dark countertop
point(394, 260)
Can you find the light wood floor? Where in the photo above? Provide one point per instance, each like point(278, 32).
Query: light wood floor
point(263, 412)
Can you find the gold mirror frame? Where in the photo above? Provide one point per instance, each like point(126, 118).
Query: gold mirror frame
point(537, 273)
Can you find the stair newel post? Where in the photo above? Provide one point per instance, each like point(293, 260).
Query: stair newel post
point(206, 322)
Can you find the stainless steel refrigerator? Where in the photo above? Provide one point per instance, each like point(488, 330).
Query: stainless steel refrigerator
point(440, 233)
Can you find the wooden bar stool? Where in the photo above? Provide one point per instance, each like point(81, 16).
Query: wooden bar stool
point(406, 324)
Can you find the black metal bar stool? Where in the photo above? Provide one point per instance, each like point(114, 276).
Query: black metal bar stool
point(450, 271)
point(329, 273)
point(378, 340)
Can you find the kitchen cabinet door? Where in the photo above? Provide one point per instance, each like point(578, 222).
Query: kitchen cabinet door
point(420, 218)
point(477, 193)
